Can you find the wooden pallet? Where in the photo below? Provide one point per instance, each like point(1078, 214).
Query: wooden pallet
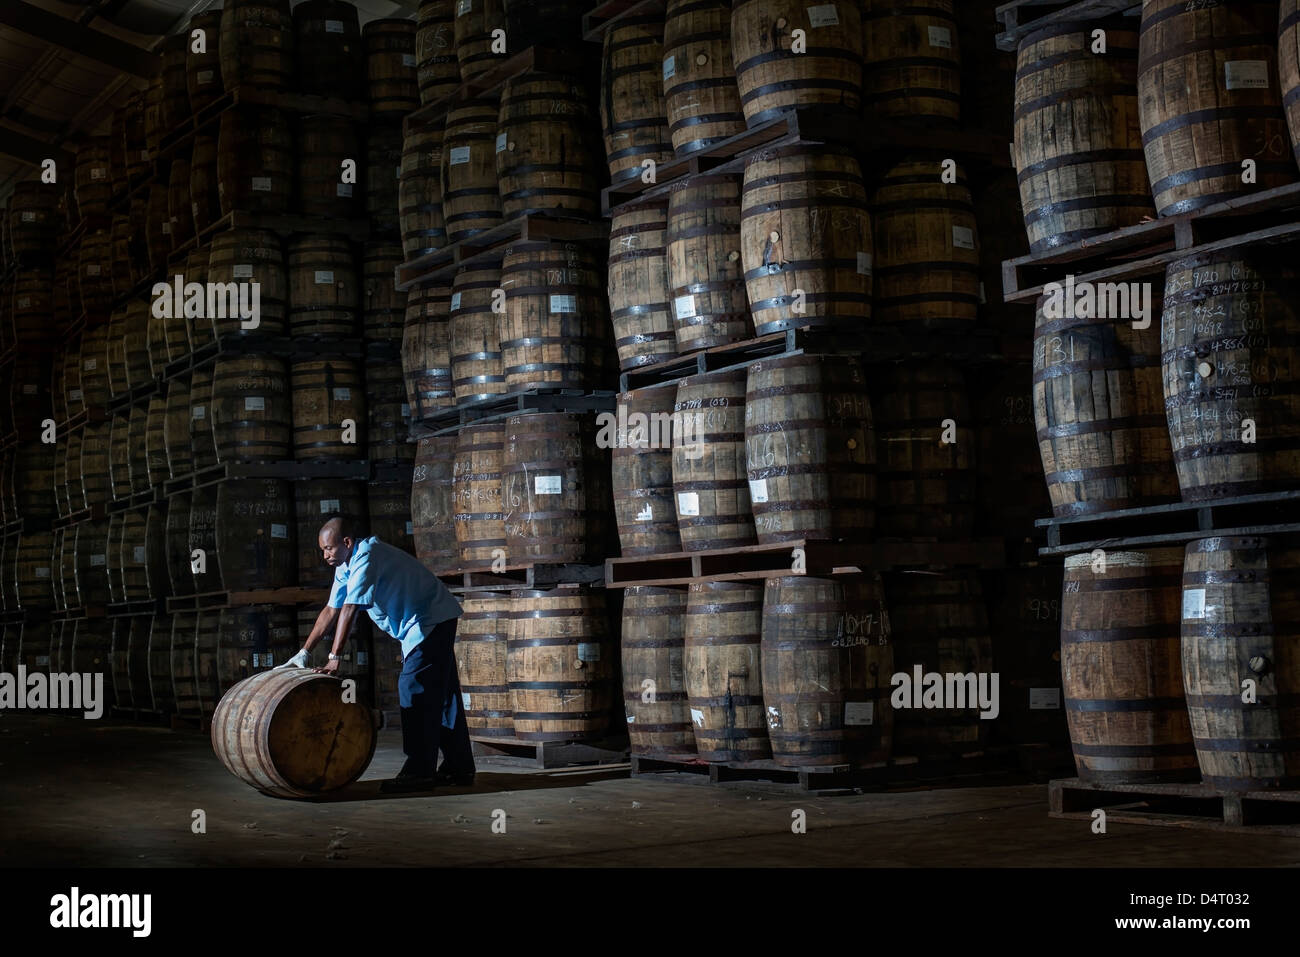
point(232, 599)
point(543, 59)
point(1175, 805)
point(820, 558)
point(552, 754)
point(144, 606)
point(1147, 249)
point(489, 247)
point(499, 407)
point(287, 224)
point(290, 470)
point(93, 514)
point(138, 395)
point(1020, 17)
point(1274, 513)
point(598, 22)
point(525, 576)
point(150, 496)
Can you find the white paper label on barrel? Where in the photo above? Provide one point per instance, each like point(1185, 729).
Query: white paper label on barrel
point(29, 217)
point(501, 142)
point(758, 491)
point(98, 173)
point(205, 76)
point(548, 484)
point(670, 67)
point(25, 302)
point(42, 573)
point(455, 300)
point(279, 531)
point(588, 651)
point(199, 412)
point(343, 394)
point(244, 271)
point(631, 719)
point(29, 388)
point(1246, 74)
point(697, 717)
point(167, 228)
point(459, 155)
point(646, 514)
point(688, 503)
point(684, 307)
point(324, 277)
point(410, 528)
point(99, 559)
point(144, 156)
point(823, 15)
point(344, 190)
point(92, 269)
point(463, 7)
point(254, 403)
point(333, 26)
point(963, 237)
point(1044, 699)
point(194, 209)
point(328, 505)
point(859, 712)
point(90, 364)
point(1194, 603)
point(941, 37)
point(864, 264)
point(464, 699)
point(75, 395)
point(408, 59)
point(261, 184)
point(983, 298)
point(138, 553)
point(564, 304)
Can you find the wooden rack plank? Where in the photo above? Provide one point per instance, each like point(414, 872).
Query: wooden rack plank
point(525, 575)
point(265, 596)
point(541, 58)
point(1017, 18)
point(289, 470)
point(1176, 805)
point(496, 408)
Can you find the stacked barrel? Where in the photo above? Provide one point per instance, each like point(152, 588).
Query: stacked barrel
point(1185, 672)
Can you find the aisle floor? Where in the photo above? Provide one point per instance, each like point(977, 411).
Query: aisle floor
point(106, 793)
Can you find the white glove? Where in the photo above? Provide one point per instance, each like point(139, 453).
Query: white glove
point(297, 661)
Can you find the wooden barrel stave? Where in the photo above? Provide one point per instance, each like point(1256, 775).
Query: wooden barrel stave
point(642, 473)
point(722, 663)
point(476, 485)
point(654, 673)
point(481, 639)
point(710, 487)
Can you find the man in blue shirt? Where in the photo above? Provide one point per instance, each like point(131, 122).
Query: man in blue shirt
point(406, 601)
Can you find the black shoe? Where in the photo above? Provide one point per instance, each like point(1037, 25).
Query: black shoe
point(456, 779)
point(407, 783)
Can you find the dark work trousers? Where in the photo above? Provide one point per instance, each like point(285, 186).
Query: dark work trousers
point(432, 713)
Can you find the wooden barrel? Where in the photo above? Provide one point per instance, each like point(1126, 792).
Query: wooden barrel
point(131, 553)
point(119, 457)
point(203, 70)
point(555, 489)
point(176, 428)
point(804, 227)
point(157, 228)
point(925, 433)
point(94, 274)
point(267, 732)
point(238, 258)
point(710, 487)
point(34, 565)
point(116, 524)
point(76, 489)
point(93, 178)
point(639, 299)
point(62, 504)
point(545, 156)
point(329, 409)
point(706, 277)
point(392, 85)
point(383, 308)
point(561, 664)
point(328, 48)
point(33, 226)
point(774, 78)
point(255, 160)
point(204, 197)
point(474, 25)
point(433, 505)
point(117, 152)
point(437, 69)
point(257, 44)
point(810, 449)
point(1196, 134)
point(642, 472)
point(389, 505)
point(1230, 354)
point(138, 156)
point(426, 350)
point(177, 544)
point(552, 22)
point(554, 332)
point(93, 465)
point(475, 342)
point(1102, 431)
point(356, 660)
point(654, 674)
point(249, 411)
point(90, 562)
point(175, 94)
point(700, 93)
point(32, 306)
point(1239, 629)
point(911, 70)
point(324, 288)
point(390, 416)
point(183, 662)
point(481, 662)
point(1288, 66)
point(1010, 493)
point(471, 200)
point(1078, 144)
point(63, 569)
point(1121, 665)
point(248, 640)
point(90, 652)
point(477, 484)
point(420, 193)
point(315, 501)
point(138, 461)
point(633, 115)
point(33, 478)
point(1024, 608)
point(254, 534)
point(325, 144)
point(927, 261)
point(722, 663)
point(155, 445)
point(383, 181)
point(202, 442)
point(123, 273)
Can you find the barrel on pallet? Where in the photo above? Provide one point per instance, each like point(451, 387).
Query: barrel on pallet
point(426, 350)
point(328, 49)
point(723, 676)
point(33, 228)
point(202, 443)
point(326, 144)
point(390, 416)
point(383, 307)
point(560, 665)
point(476, 486)
point(249, 409)
point(257, 44)
point(324, 288)
point(177, 544)
point(420, 193)
point(389, 505)
point(91, 176)
point(204, 195)
point(475, 341)
point(267, 732)
point(383, 170)
point(255, 160)
point(1288, 68)
point(911, 70)
point(391, 82)
point(548, 160)
point(1121, 667)
point(642, 472)
point(633, 115)
point(639, 300)
point(654, 675)
point(700, 92)
point(433, 508)
point(254, 534)
point(237, 259)
point(710, 486)
point(245, 640)
point(471, 200)
point(706, 277)
point(203, 70)
point(329, 409)
point(481, 640)
point(315, 500)
point(1240, 627)
point(473, 33)
point(33, 565)
point(94, 465)
point(437, 69)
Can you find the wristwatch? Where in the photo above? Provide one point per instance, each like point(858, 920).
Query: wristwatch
point(334, 657)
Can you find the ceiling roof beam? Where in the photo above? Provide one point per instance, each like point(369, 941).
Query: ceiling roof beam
point(78, 39)
point(28, 149)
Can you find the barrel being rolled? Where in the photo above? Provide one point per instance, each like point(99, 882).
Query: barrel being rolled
point(481, 662)
point(288, 733)
point(709, 468)
point(642, 472)
point(1121, 667)
point(723, 671)
point(654, 648)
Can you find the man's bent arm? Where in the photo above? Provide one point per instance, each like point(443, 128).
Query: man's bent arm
point(324, 624)
point(343, 627)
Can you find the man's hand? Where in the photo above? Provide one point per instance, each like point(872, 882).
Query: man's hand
point(297, 661)
point(329, 668)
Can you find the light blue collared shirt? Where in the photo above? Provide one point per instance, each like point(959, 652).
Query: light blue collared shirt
point(403, 598)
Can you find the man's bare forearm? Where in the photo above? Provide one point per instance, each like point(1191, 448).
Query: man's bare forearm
point(324, 625)
point(343, 627)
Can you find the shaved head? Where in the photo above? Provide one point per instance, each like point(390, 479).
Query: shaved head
point(337, 538)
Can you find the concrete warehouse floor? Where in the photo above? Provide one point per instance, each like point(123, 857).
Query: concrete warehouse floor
point(78, 793)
